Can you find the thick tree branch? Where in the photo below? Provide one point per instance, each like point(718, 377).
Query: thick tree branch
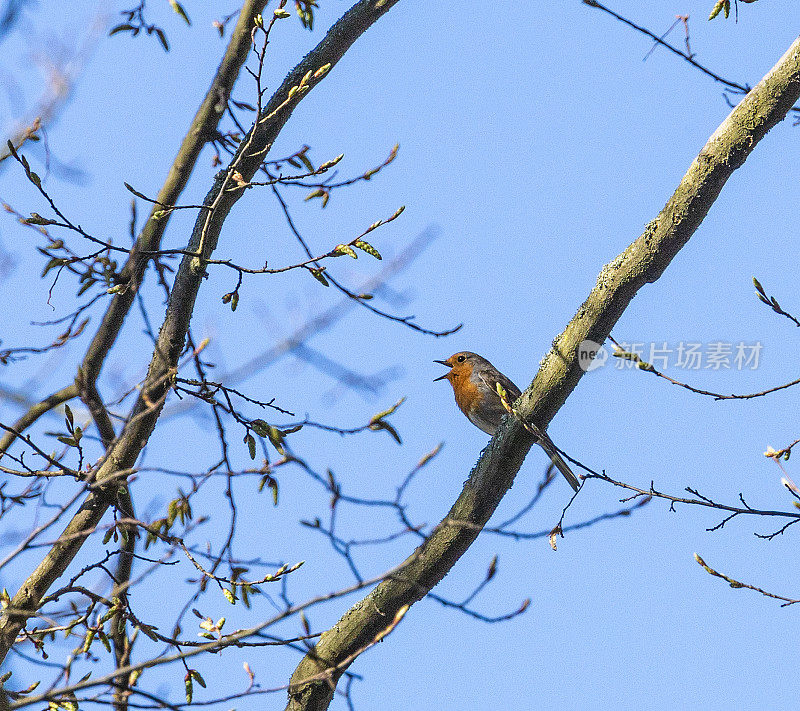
point(200, 131)
point(641, 263)
point(172, 336)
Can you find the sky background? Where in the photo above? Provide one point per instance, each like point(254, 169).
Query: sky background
point(537, 144)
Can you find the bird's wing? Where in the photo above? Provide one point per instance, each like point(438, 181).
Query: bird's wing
point(491, 378)
point(544, 441)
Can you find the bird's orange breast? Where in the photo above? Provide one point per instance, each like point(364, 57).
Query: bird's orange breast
point(467, 393)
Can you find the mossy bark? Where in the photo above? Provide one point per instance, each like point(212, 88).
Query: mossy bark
point(644, 261)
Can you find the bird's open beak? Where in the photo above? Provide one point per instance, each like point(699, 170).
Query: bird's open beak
point(442, 362)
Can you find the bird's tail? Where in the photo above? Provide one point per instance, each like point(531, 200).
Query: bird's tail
point(558, 461)
point(543, 439)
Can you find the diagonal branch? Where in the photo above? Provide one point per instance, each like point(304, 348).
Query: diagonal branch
point(641, 263)
point(739, 88)
point(172, 336)
point(202, 128)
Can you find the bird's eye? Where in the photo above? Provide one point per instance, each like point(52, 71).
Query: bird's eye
point(461, 358)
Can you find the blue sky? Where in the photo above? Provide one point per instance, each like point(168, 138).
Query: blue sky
point(537, 143)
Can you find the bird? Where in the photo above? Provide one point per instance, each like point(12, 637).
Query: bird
point(474, 380)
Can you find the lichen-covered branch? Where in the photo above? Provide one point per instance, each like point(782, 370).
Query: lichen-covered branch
point(641, 263)
point(172, 337)
point(200, 131)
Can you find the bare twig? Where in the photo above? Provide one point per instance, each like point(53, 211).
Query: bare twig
point(736, 584)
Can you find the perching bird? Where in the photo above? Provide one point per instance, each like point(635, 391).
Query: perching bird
point(474, 380)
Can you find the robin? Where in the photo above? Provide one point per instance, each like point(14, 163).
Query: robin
point(475, 380)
